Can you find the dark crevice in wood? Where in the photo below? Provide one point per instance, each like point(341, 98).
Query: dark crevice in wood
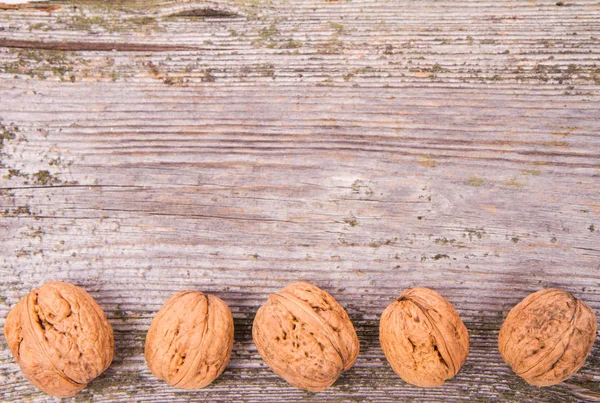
point(28, 6)
point(91, 46)
point(72, 186)
point(207, 12)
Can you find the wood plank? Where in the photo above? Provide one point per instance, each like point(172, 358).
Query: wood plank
point(365, 146)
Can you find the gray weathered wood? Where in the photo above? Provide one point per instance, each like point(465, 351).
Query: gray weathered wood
point(365, 146)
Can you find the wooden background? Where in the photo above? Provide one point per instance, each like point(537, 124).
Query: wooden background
point(366, 146)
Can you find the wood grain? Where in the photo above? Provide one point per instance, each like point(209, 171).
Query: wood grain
point(365, 146)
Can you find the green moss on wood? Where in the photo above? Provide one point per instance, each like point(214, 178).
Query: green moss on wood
point(7, 132)
point(475, 181)
point(44, 178)
point(351, 222)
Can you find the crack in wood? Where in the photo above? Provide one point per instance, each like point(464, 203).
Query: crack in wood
point(28, 6)
point(207, 12)
point(92, 46)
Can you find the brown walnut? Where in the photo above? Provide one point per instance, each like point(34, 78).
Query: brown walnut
point(190, 340)
point(305, 336)
point(60, 338)
point(546, 337)
point(423, 338)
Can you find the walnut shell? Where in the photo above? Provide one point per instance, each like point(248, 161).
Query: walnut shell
point(305, 336)
point(190, 340)
point(423, 338)
point(60, 338)
point(546, 337)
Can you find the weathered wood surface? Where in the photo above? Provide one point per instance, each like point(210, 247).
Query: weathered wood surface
point(365, 146)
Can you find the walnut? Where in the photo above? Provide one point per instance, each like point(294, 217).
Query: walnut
point(60, 338)
point(546, 337)
point(423, 338)
point(305, 336)
point(190, 340)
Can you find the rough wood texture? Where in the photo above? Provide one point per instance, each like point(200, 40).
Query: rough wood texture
point(366, 146)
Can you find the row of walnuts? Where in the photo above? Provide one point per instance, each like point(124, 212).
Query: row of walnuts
point(61, 339)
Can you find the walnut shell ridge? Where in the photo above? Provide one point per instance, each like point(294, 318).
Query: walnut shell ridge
point(423, 338)
point(547, 336)
point(60, 338)
point(190, 340)
point(305, 336)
